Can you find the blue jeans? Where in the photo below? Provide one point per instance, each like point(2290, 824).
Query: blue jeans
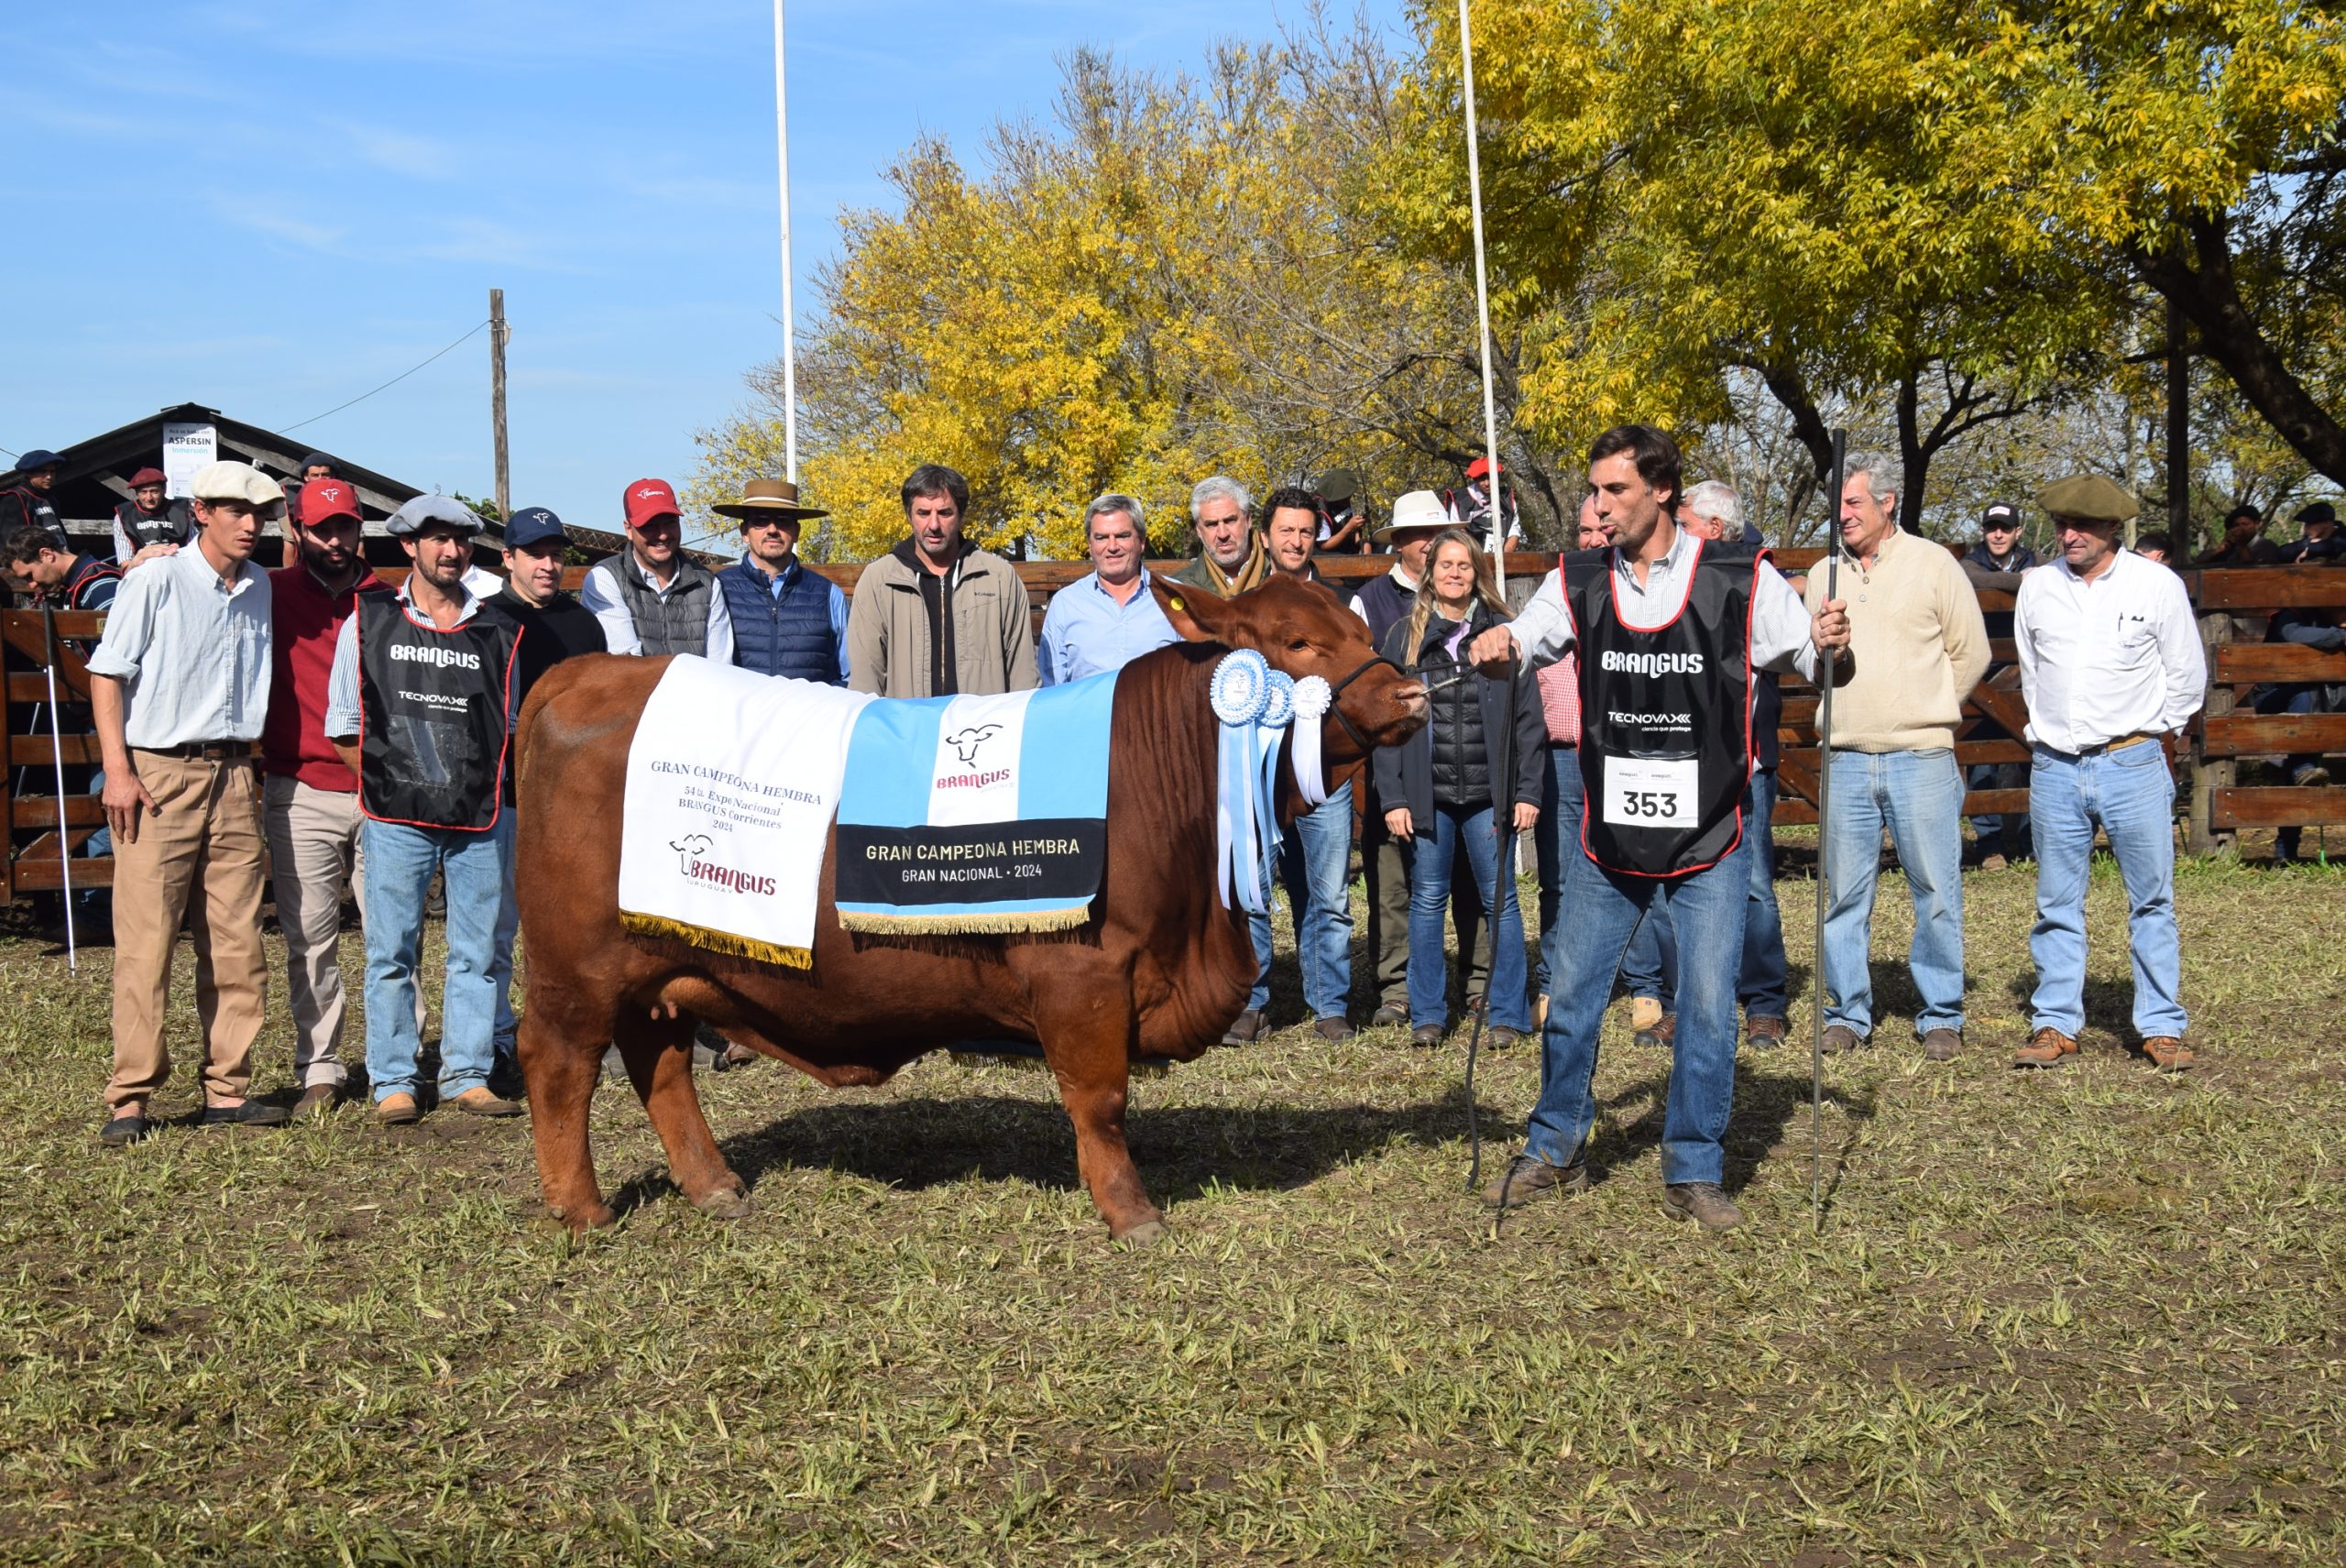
point(1918, 796)
point(1650, 967)
point(1555, 841)
point(1584, 953)
point(1314, 854)
point(2131, 797)
point(1763, 987)
point(399, 863)
point(1451, 828)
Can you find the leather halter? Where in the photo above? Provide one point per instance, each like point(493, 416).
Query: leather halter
point(1336, 692)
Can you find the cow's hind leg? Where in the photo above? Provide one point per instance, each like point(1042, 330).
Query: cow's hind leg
point(659, 1057)
point(561, 1059)
point(1087, 1038)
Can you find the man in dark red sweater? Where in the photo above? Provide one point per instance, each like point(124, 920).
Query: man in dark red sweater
point(312, 798)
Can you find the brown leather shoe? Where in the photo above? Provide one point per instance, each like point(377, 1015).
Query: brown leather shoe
point(1245, 1030)
point(1703, 1202)
point(1766, 1034)
point(1332, 1030)
point(1941, 1045)
point(1663, 1037)
point(1526, 1176)
point(2046, 1048)
point(1993, 862)
point(1389, 1014)
point(318, 1098)
point(1499, 1037)
point(397, 1110)
point(2167, 1054)
point(1425, 1037)
point(478, 1101)
point(1840, 1039)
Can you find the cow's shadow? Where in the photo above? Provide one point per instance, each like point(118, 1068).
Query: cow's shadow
point(1182, 1150)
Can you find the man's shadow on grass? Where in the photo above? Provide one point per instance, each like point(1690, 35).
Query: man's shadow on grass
point(1768, 1101)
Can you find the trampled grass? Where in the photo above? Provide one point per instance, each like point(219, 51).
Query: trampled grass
point(2092, 1316)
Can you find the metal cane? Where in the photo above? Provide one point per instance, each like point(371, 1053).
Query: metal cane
point(1824, 791)
point(49, 654)
point(1502, 890)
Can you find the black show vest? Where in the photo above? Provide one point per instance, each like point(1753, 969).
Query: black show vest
point(1665, 716)
point(432, 713)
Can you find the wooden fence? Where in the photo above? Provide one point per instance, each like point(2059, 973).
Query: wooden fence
point(2233, 606)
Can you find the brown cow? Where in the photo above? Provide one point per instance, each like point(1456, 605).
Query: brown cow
point(1160, 971)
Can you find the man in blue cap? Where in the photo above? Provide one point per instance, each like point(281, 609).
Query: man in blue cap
point(26, 504)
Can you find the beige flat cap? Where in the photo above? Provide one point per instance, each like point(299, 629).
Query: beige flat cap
point(2091, 496)
point(234, 482)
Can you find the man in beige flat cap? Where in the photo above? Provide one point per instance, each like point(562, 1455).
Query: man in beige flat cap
point(180, 688)
point(2109, 665)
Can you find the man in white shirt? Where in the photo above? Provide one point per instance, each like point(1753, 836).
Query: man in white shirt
point(179, 689)
point(1671, 634)
point(2110, 665)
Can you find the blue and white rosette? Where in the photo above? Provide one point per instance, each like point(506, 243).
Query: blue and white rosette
point(1245, 814)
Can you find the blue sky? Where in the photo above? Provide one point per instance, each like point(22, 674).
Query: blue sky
point(270, 207)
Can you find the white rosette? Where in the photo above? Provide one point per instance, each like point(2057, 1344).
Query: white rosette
point(1311, 699)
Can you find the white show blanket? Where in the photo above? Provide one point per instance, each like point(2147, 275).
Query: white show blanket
point(732, 783)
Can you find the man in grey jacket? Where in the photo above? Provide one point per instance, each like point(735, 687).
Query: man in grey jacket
point(936, 615)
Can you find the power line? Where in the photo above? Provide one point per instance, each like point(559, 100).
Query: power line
point(286, 430)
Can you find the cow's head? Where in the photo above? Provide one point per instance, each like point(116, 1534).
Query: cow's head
point(1303, 630)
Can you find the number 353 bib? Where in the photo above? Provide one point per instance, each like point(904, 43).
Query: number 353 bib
point(1665, 715)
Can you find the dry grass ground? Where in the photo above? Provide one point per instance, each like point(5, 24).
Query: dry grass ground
point(2093, 1316)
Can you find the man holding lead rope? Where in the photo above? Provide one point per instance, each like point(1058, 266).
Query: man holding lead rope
point(1669, 635)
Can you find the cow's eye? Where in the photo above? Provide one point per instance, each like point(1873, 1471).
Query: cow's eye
point(1300, 645)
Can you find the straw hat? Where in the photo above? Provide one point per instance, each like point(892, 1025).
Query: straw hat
point(767, 498)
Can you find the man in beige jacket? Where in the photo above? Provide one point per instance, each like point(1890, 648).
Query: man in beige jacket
point(1919, 646)
point(936, 615)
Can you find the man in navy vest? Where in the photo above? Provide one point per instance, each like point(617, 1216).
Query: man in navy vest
point(787, 621)
point(1669, 635)
point(420, 703)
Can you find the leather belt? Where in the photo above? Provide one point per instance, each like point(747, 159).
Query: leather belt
point(2137, 739)
point(207, 750)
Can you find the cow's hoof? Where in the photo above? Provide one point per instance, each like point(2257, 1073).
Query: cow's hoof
point(724, 1203)
point(1148, 1232)
point(583, 1217)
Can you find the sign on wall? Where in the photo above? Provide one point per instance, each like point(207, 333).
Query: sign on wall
point(186, 449)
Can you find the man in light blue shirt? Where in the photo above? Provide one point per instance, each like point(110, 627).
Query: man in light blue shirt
point(1106, 619)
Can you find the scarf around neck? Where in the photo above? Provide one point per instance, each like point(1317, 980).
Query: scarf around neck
point(1250, 574)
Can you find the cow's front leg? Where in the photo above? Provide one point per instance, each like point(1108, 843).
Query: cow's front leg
point(560, 1071)
point(658, 1052)
point(1087, 1031)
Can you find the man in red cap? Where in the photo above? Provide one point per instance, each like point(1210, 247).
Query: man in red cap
point(1470, 507)
point(147, 519)
point(651, 599)
point(310, 795)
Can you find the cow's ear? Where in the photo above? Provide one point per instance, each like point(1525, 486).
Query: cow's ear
point(1196, 614)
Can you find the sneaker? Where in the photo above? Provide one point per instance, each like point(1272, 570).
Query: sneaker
point(125, 1130)
point(1645, 1012)
point(397, 1110)
point(1703, 1202)
point(1332, 1030)
point(1993, 862)
point(478, 1101)
point(1246, 1031)
point(2047, 1047)
point(1840, 1039)
point(1941, 1045)
point(1526, 1176)
point(2310, 775)
point(251, 1114)
point(1384, 1017)
point(2167, 1054)
point(1766, 1034)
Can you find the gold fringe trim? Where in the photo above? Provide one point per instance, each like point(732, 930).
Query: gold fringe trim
point(715, 941)
point(966, 924)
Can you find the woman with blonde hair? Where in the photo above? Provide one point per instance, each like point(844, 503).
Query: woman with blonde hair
point(1477, 756)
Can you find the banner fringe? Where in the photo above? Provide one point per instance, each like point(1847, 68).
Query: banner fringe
point(725, 942)
point(968, 924)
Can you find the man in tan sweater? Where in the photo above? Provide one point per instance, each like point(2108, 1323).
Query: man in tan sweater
point(1919, 646)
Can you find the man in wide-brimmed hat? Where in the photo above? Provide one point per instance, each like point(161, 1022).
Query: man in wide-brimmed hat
point(787, 621)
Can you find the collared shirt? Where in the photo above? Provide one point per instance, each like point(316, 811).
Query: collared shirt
point(1401, 580)
point(191, 651)
point(342, 681)
point(1780, 622)
point(600, 593)
point(2101, 660)
point(1085, 631)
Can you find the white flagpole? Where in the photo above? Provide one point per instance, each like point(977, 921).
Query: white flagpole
point(789, 342)
point(1482, 301)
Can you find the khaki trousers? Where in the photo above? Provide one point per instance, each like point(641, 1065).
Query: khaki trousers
point(312, 850)
point(197, 858)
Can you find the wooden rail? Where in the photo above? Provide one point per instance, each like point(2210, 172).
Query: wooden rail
point(2232, 604)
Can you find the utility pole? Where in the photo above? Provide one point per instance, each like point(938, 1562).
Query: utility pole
point(497, 402)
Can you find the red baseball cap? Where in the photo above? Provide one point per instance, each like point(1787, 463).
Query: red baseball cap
point(323, 499)
point(1480, 466)
point(146, 476)
point(647, 499)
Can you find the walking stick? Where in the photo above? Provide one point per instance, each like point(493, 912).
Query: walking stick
point(1502, 890)
point(50, 653)
point(1824, 792)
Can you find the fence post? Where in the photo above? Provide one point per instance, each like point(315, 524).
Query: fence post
point(2206, 777)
